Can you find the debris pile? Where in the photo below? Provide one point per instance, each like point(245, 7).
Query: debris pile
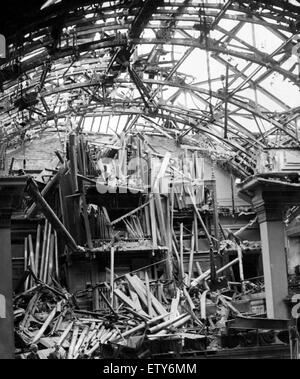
point(184, 299)
point(138, 315)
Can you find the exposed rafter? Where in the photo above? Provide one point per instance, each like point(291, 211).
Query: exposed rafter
point(122, 59)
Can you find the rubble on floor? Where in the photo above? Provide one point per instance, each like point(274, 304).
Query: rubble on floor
point(136, 322)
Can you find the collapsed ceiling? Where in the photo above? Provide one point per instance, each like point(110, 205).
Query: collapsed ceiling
point(224, 74)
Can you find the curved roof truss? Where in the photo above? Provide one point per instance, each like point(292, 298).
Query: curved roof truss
point(227, 71)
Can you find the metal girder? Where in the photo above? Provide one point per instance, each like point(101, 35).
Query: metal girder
point(239, 128)
point(109, 19)
point(47, 16)
point(171, 113)
point(222, 49)
point(253, 83)
point(192, 88)
point(144, 15)
point(144, 91)
point(145, 12)
point(221, 14)
point(211, 46)
point(259, 68)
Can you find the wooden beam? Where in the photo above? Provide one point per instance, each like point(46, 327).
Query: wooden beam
point(73, 161)
point(191, 262)
point(112, 275)
point(131, 213)
point(49, 187)
point(51, 216)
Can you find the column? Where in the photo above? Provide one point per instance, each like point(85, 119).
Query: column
point(6, 291)
point(272, 230)
point(11, 194)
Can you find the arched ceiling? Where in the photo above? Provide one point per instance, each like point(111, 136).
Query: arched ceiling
point(224, 74)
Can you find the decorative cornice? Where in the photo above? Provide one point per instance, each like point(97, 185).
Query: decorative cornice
point(269, 198)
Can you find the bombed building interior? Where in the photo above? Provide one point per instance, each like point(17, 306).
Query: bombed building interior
point(149, 179)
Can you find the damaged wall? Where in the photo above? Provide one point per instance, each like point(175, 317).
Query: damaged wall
point(38, 153)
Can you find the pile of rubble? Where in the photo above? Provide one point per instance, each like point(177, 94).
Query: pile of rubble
point(49, 323)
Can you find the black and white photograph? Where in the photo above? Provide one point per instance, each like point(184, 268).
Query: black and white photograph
point(149, 183)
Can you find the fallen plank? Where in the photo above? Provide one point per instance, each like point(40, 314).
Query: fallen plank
point(189, 300)
point(166, 324)
point(80, 341)
point(137, 303)
point(137, 288)
point(206, 275)
point(141, 327)
point(29, 311)
point(138, 315)
point(148, 293)
point(130, 213)
point(45, 326)
point(128, 302)
point(183, 321)
point(65, 334)
point(73, 342)
point(156, 304)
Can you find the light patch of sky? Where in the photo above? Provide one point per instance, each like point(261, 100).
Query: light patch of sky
point(195, 66)
point(284, 90)
point(292, 62)
point(260, 37)
point(264, 40)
